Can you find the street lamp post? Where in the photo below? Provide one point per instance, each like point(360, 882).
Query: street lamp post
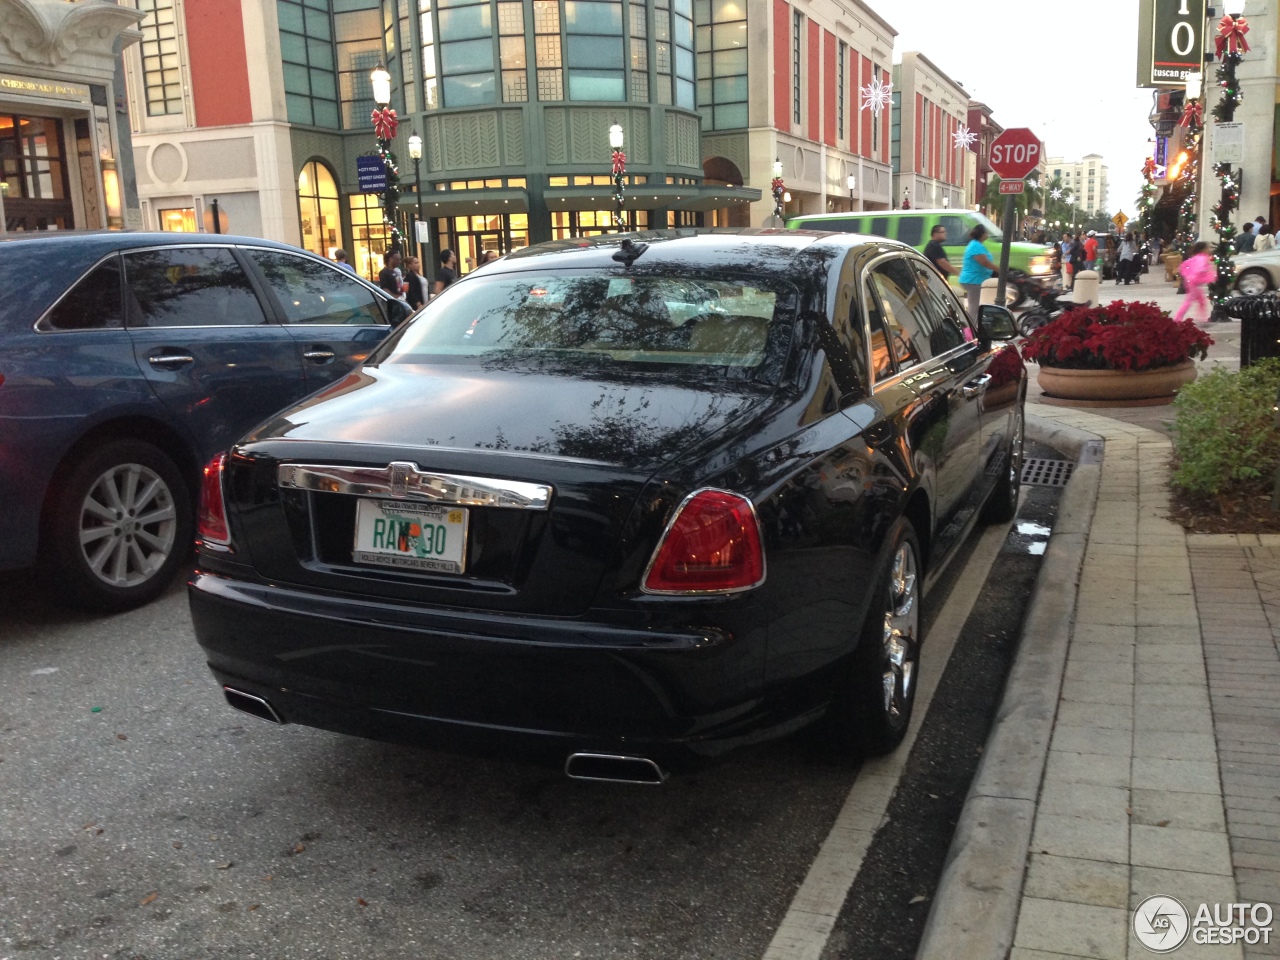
point(385, 123)
point(852, 183)
point(1231, 48)
point(619, 174)
point(415, 153)
point(778, 187)
point(1187, 165)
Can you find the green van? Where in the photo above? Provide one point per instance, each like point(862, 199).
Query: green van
point(913, 227)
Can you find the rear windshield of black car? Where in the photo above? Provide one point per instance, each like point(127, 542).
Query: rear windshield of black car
point(732, 324)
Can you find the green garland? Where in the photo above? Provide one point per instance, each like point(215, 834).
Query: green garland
point(1224, 111)
point(391, 197)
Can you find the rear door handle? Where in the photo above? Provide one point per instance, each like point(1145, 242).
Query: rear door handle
point(974, 388)
point(319, 354)
point(170, 360)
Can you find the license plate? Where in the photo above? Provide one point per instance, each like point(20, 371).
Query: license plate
point(411, 536)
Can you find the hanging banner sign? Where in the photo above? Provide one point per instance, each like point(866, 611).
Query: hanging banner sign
point(371, 174)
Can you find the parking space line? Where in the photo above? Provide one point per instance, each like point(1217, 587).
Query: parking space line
point(809, 920)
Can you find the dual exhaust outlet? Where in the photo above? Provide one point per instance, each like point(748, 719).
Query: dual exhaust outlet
point(600, 767)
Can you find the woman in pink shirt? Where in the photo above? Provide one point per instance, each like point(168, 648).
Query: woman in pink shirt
point(1198, 272)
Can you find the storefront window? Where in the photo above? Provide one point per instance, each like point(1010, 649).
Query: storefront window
point(178, 221)
point(472, 237)
point(33, 174)
point(368, 233)
point(319, 209)
point(591, 223)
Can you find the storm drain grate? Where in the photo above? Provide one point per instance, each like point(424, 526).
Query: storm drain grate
point(1047, 473)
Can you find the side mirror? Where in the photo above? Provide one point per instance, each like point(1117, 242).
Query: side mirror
point(996, 323)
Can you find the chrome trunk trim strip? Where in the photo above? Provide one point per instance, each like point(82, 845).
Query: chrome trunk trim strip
point(405, 481)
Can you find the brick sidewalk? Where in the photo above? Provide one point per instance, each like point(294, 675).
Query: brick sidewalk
point(1161, 776)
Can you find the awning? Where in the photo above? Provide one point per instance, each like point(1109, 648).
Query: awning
point(461, 203)
point(650, 197)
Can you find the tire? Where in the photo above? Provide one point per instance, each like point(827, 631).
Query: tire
point(1253, 282)
point(1002, 505)
point(872, 708)
point(118, 526)
point(1031, 321)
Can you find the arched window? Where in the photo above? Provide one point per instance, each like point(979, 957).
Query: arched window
point(318, 209)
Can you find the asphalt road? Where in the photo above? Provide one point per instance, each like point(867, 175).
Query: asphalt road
point(140, 817)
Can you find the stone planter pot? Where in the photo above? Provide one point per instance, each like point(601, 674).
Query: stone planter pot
point(1158, 386)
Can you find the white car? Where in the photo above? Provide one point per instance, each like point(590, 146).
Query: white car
point(1257, 272)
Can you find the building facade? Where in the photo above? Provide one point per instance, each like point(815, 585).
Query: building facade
point(986, 129)
point(930, 108)
point(65, 158)
point(1086, 179)
point(264, 105)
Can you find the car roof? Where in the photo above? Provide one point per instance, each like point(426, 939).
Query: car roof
point(104, 241)
point(702, 249)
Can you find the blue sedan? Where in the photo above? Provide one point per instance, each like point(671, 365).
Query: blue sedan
point(126, 361)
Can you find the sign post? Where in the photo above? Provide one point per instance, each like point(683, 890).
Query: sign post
point(1014, 154)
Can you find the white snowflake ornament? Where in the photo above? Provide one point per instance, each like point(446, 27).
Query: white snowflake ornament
point(876, 96)
point(964, 138)
point(1055, 193)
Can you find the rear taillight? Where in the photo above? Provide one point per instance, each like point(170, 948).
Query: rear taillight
point(211, 522)
point(712, 545)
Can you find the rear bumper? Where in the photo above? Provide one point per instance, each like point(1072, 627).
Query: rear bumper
point(538, 688)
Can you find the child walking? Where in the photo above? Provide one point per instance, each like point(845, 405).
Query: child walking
point(1198, 272)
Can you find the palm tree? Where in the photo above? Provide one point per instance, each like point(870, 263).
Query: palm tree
point(993, 200)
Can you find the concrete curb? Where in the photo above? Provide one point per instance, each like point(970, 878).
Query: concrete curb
point(975, 908)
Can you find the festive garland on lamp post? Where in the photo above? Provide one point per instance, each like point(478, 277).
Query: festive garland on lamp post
point(1193, 122)
point(1231, 48)
point(1147, 199)
point(385, 123)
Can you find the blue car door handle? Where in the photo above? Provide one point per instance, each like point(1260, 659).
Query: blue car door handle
point(170, 360)
point(318, 353)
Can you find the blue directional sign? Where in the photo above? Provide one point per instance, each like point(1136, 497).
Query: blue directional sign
point(371, 174)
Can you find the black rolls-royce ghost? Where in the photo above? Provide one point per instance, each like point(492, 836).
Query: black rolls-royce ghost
point(627, 502)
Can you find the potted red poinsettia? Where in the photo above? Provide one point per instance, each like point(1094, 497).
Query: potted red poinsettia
point(1126, 352)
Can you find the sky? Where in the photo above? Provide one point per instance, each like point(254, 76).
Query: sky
point(1067, 71)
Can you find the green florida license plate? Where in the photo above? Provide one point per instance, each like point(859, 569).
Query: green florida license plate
point(411, 536)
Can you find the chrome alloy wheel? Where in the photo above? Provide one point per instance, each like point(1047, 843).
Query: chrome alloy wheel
point(1015, 451)
point(901, 630)
point(128, 525)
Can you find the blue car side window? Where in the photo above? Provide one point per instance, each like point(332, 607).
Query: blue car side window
point(189, 287)
point(92, 304)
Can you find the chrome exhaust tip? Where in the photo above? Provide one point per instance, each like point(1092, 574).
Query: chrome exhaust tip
point(611, 768)
point(248, 703)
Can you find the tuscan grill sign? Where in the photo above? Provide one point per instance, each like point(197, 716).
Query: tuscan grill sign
point(1177, 40)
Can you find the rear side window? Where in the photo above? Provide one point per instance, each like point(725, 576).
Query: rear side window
point(92, 304)
point(902, 310)
point(957, 230)
point(947, 322)
point(911, 230)
point(189, 287)
point(310, 292)
point(879, 227)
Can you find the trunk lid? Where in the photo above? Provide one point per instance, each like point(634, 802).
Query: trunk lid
point(596, 443)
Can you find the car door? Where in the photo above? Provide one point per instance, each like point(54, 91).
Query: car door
point(934, 358)
point(204, 342)
point(335, 319)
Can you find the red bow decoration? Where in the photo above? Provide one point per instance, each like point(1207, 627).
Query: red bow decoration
point(1149, 167)
point(385, 123)
point(1231, 35)
point(777, 186)
point(619, 162)
point(1193, 113)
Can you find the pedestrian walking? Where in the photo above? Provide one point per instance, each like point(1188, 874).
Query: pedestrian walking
point(1077, 257)
point(1065, 259)
point(1246, 239)
point(390, 278)
point(1127, 260)
point(340, 258)
point(1197, 273)
point(1091, 251)
point(976, 268)
point(936, 254)
point(447, 275)
point(416, 294)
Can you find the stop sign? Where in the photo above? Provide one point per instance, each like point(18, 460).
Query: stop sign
point(1015, 153)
